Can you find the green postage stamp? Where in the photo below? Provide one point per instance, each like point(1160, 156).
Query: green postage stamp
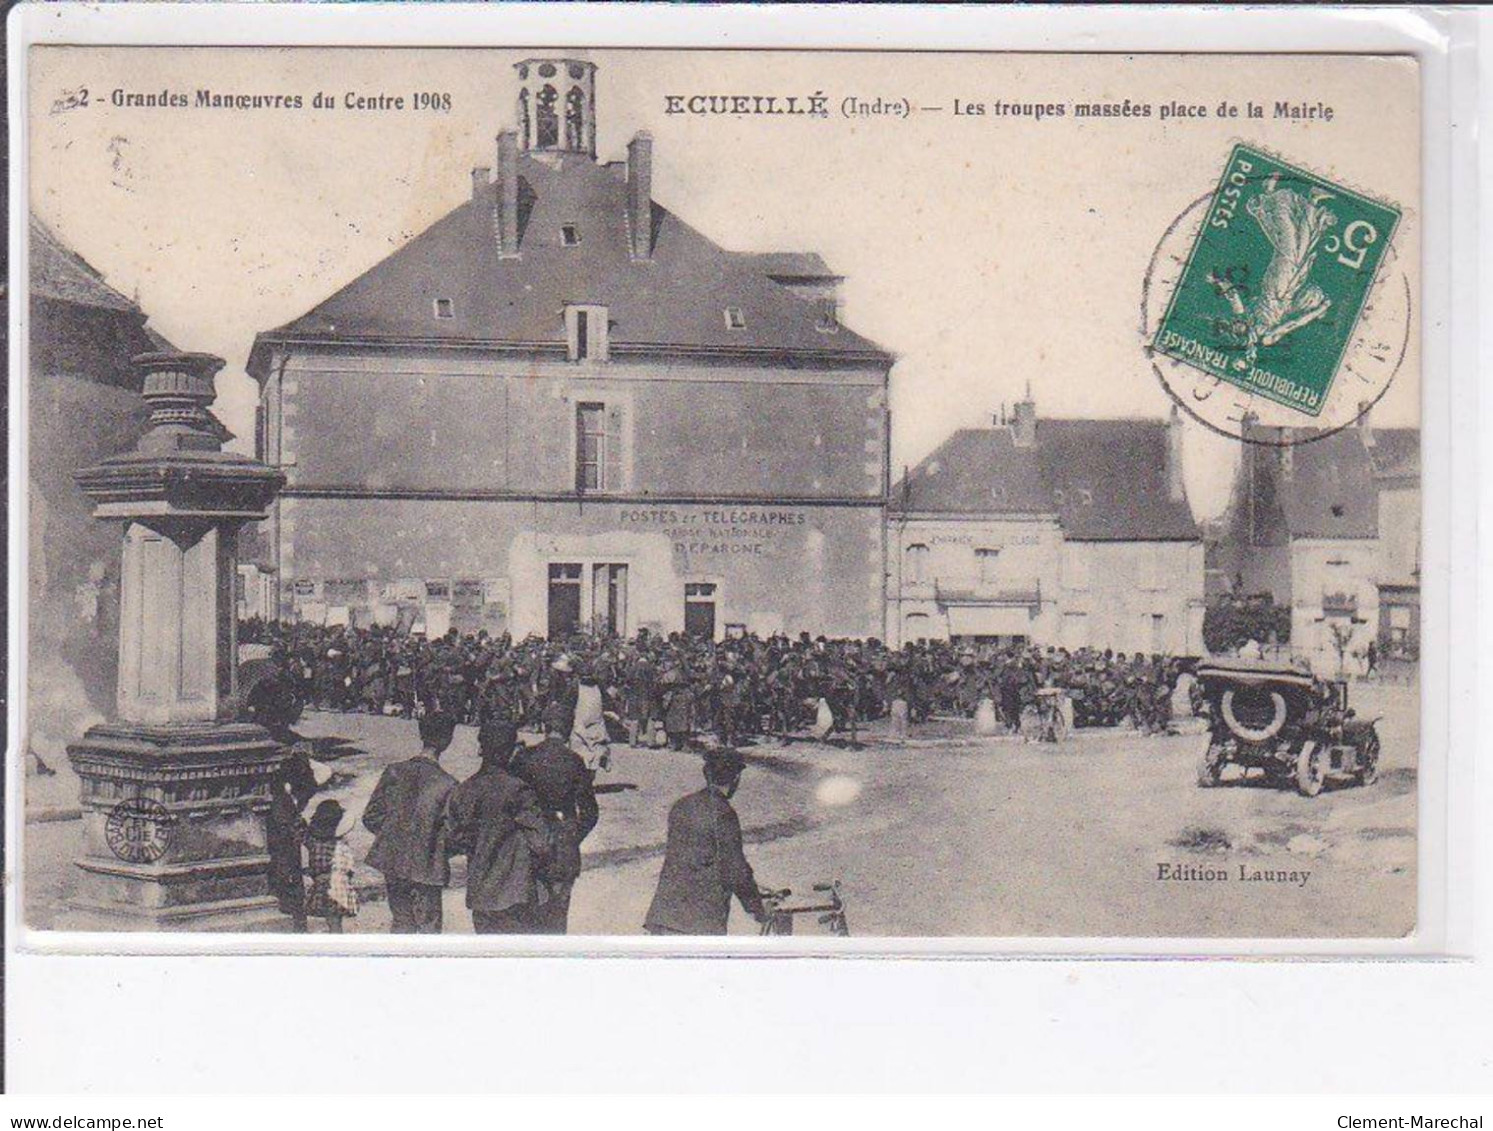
point(1276, 280)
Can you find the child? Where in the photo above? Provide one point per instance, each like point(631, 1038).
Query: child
point(330, 863)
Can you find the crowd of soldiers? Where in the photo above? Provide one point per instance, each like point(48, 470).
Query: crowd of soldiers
point(657, 688)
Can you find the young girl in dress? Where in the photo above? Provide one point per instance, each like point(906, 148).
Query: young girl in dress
point(329, 861)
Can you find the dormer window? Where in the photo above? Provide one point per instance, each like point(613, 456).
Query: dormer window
point(570, 235)
point(586, 334)
point(735, 319)
point(827, 320)
point(444, 308)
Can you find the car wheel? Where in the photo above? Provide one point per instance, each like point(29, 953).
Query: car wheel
point(1368, 760)
point(1311, 769)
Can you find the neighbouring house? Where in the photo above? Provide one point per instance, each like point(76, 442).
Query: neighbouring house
point(1328, 524)
point(1075, 533)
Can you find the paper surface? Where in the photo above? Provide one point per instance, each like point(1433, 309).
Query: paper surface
point(856, 346)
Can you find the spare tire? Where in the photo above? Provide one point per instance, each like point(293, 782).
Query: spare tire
point(1263, 713)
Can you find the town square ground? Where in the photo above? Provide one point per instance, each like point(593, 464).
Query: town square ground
point(1105, 834)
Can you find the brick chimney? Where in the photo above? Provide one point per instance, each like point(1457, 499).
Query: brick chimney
point(1175, 488)
point(481, 178)
point(1024, 420)
point(640, 194)
point(506, 216)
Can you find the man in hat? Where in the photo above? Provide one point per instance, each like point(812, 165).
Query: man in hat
point(406, 815)
point(495, 819)
point(567, 797)
point(559, 708)
point(704, 862)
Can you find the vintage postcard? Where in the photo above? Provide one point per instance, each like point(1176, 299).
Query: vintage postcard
point(684, 493)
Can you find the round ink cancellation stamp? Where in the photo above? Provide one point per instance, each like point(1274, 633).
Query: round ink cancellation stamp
point(1274, 308)
point(138, 830)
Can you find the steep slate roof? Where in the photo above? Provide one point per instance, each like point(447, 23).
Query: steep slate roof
point(1104, 480)
point(61, 274)
point(1329, 491)
point(1396, 453)
point(675, 300)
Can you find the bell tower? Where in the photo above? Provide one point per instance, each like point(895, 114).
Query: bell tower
point(557, 106)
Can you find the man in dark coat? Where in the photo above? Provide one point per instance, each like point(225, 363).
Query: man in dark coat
point(564, 787)
point(495, 820)
point(406, 815)
point(704, 862)
point(285, 835)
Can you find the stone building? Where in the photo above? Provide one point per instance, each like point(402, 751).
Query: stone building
point(1328, 524)
point(1065, 532)
point(83, 405)
point(561, 407)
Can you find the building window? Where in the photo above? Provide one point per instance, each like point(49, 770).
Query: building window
point(699, 609)
point(444, 308)
point(917, 563)
point(917, 627)
point(590, 447)
point(598, 457)
point(735, 319)
point(609, 599)
point(586, 330)
point(564, 599)
point(987, 563)
point(570, 235)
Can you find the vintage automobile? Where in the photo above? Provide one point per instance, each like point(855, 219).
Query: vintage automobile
point(1281, 719)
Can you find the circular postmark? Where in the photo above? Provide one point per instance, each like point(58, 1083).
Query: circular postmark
point(1274, 309)
point(138, 830)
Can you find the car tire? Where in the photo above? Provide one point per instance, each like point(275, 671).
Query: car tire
point(1311, 769)
point(1256, 735)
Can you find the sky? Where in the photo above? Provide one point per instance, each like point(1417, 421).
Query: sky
point(987, 252)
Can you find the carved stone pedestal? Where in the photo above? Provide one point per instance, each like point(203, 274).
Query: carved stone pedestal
point(174, 828)
point(175, 793)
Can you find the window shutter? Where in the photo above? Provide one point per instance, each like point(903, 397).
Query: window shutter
point(612, 474)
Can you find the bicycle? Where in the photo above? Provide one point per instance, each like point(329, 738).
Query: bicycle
point(779, 914)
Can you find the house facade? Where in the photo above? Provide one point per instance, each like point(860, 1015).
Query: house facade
point(1328, 524)
point(561, 409)
point(1072, 533)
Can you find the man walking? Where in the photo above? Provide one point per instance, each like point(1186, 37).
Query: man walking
point(704, 862)
point(564, 788)
point(406, 815)
point(495, 820)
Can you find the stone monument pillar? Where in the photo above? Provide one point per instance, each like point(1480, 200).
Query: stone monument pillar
point(175, 792)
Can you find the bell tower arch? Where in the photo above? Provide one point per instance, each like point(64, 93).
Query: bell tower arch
point(557, 106)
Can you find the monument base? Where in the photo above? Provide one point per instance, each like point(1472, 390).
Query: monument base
point(174, 828)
